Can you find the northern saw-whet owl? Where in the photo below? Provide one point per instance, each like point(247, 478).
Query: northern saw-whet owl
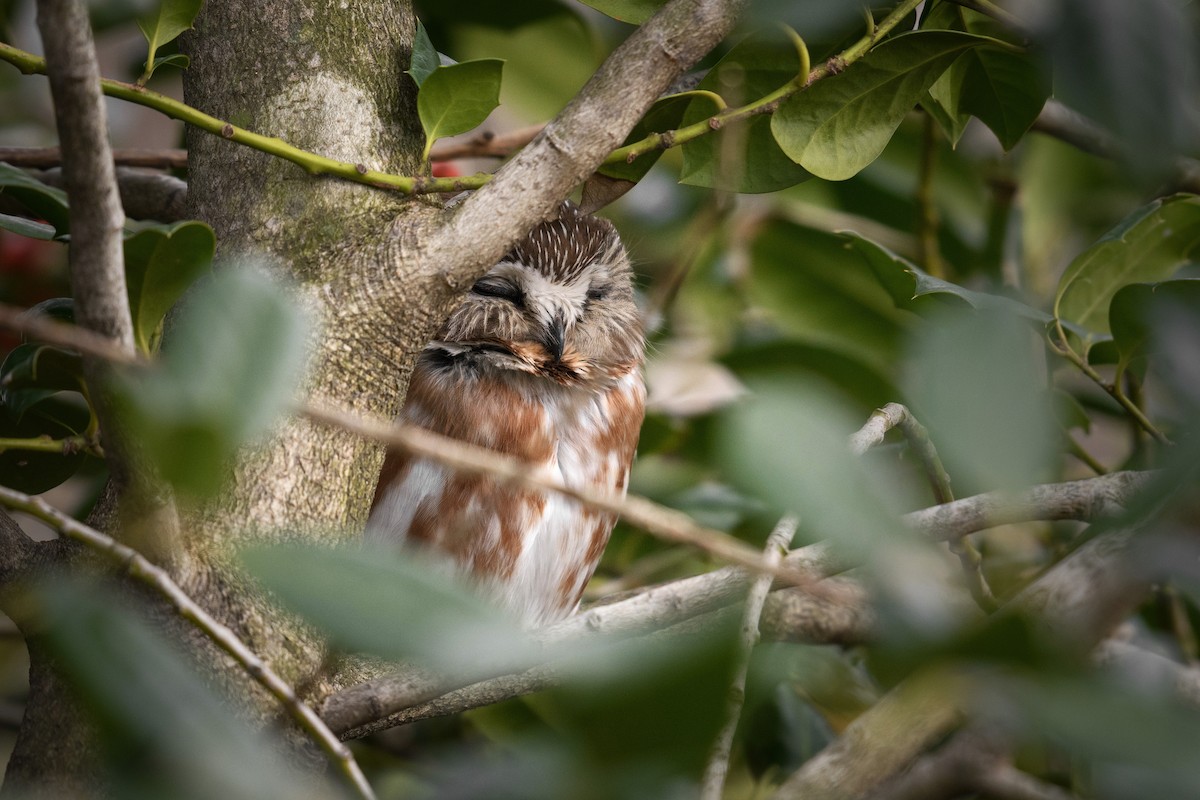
point(542, 361)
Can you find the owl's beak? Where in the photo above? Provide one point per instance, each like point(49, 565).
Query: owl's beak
point(556, 334)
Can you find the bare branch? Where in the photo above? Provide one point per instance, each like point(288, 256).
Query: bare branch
point(661, 521)
point(144, 195)
point(97, 259)
point(1005, 782)
point(47, 157)
point(1085, 500)
point(713, 783)
point(594, 123)
point(1133, 660)
point(142, 570)
point(97, 271)
point(794, 614)
point(485, 145)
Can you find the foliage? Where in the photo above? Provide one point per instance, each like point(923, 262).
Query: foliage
point(1035, 306)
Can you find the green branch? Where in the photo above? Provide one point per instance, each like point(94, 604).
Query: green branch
point(44, 444)
point(767, 104)
point(311, 162)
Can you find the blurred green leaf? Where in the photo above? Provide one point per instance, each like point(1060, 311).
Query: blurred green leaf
point(161, 262)
point(229, 370)
point(644, 713)
point(61, 309)
point(1132, 68)
point(425, 58)
point(26, 227)
point(175, 60)
point(397, 605)
point(635, 12)
point(172, 18)
point(1131, 315)
point(43, 416)
point(974, 383)
point(841, 123)
point(162, 731)
point(1117, 724)
point(456, 98)
point(1004, 89)
point(744, 157)
point(1148, 245)
point(787, 444)
point(39, 199)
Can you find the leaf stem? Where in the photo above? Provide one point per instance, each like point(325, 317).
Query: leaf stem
point(1064, 349)
point(311, 162)
point(136, 565)
point(927, 213)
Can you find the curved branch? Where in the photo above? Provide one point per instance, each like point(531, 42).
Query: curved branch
point(144, 195)
point(137, 567)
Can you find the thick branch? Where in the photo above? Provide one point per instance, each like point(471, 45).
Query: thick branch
point(595, 122)
point(17, 550)
point(97, 271)
point(144, 195)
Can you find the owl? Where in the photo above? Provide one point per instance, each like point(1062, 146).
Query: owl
point(540, 361)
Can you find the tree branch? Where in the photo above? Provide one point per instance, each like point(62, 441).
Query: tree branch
point(137, 567)
point(526, 189)
point(1084, 500)
point(661, 521)
point(96, 257)
point(144, 195)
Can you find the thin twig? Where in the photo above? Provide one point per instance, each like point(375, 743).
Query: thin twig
point(928, 253)
point(44, 444)
point(142, 570)
point(1076, 449)
point(896, 415)
point(713, 784)
point(666, 523)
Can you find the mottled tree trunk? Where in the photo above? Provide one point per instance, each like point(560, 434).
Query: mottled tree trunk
point(329, 78)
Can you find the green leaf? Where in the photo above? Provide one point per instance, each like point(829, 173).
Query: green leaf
point(161, 262)
point(41, 366)
point(973, 381)
point(161, 729)
point(41, 200)
point(230, 367)
point(456, 98)
point(666, 114)
point(841, 123)
point(172, 18)
point(359, 597)
point(54, 417)
point(425, 58)
point(1132, 315)
point(1004, 89)
point(755, 67)
point(634, 12)
point(916, 290)
point(1149, 245)
point(819, 294)
point(26, 227)
point(175, 60)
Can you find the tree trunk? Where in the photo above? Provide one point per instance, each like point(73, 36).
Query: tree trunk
point(328, 78)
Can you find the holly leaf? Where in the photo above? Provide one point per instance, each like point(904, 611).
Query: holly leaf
point(635, 12)
point(456, 98)
point(172, 18)
point(26, 227)
point(425, 58)
point(40, 200)
point(161, 262)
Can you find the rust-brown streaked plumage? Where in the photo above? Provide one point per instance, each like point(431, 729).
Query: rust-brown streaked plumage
point(541, 361)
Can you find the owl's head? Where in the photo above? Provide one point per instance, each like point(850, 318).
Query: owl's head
point(559, 306)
